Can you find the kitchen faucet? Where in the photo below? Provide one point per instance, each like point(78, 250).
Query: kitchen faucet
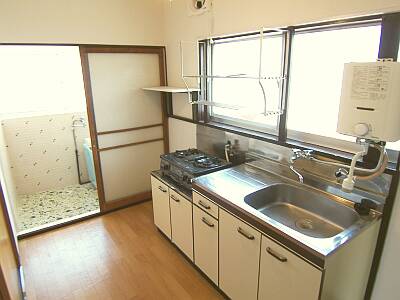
point(296, 154)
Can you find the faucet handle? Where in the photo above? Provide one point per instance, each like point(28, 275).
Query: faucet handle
point(307, 153)
point(296, 153)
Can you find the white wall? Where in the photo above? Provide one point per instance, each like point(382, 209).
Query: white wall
point(41, 151)
point(235, 16)
point(182, 135)
point(387, 281)
point(82, 21)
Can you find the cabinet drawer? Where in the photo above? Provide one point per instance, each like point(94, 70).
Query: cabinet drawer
point(205, 232)
point(286, 276)
point(205, 204)
point(181, 223)
point(159, 186)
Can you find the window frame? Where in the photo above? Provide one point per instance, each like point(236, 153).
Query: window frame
point(320, 140)
point(342, 149)
point(235, 122)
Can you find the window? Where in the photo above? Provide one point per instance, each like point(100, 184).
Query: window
point(317, 56)
point(239, 57)
point(316, 79)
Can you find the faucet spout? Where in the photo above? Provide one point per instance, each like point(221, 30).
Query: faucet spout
point(301, 178)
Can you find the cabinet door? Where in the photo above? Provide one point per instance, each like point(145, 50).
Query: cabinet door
point(181, 223)
point(161, 206)
point(205, 232)
point(284, 276)
point(239, 256)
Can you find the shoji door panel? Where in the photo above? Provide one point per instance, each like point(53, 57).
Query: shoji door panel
point(126, 171)
point(117, 80)
point(129, 127)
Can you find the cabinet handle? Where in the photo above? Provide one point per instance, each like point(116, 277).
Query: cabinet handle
point(245, 234)
point(204, 205)
point(205, 221)
point(276, 255)
point(162, 189)
point(175, 199)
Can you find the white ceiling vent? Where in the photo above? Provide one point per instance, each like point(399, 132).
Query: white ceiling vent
point(198, 7)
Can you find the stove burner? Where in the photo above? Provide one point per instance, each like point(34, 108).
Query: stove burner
point(206, 162)
point(184, 153)
point(183, 165)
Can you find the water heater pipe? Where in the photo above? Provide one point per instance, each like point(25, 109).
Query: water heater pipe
point(348, 182)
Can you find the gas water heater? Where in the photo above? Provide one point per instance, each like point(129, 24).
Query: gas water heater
point(369, 110)
point(370, 101)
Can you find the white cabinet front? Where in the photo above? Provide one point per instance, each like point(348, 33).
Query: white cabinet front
point(181, 223)
point(205, 232)
point(284, 276)
point(161, 213)
point(239, 256)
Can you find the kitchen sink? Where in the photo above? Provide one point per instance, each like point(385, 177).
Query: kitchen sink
point(308, 212)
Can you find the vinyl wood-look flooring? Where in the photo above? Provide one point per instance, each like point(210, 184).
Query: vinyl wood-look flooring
point(120, 255)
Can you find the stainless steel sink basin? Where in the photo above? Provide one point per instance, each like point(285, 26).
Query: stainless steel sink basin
point(305, 211)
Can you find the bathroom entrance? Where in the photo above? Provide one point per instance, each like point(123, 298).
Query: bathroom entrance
point(46, 154)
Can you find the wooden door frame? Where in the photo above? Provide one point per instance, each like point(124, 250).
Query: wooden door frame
point(84, 51)
point(6, 214)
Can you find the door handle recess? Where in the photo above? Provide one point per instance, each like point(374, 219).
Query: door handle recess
point(205, 221)
point(162, 189)
point(204, 205)
point(275, 254)
point(245, 234)
point(175, 199)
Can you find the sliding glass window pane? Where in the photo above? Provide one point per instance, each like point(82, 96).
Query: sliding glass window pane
point(241, 57)
point(316, 78)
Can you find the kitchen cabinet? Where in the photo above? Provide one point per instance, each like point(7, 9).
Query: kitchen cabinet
point(285, 276)
point(161, 211)
point(181, 223)
point(239, 256)
point(205, 232)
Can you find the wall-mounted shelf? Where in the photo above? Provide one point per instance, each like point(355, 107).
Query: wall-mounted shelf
point(170, 89)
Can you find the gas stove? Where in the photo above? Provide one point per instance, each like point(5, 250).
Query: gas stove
point(183, 165)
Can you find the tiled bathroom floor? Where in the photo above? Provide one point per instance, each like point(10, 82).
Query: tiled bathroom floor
point(54, 205)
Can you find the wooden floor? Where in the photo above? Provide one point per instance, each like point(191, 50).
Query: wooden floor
point(120, 255)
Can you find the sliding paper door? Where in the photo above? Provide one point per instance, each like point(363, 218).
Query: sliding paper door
point(128, 125)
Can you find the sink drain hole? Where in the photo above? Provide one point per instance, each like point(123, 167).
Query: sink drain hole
point(304, 224)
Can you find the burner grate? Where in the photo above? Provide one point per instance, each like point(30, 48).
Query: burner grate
point(185, 153)
point(206, 162)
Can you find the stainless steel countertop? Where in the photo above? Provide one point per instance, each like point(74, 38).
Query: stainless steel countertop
point(230, 186)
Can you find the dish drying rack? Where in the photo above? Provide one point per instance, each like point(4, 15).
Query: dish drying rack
point(193, 92)
point(260, 78)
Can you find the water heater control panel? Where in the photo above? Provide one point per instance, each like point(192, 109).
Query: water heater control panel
point(370, 101)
